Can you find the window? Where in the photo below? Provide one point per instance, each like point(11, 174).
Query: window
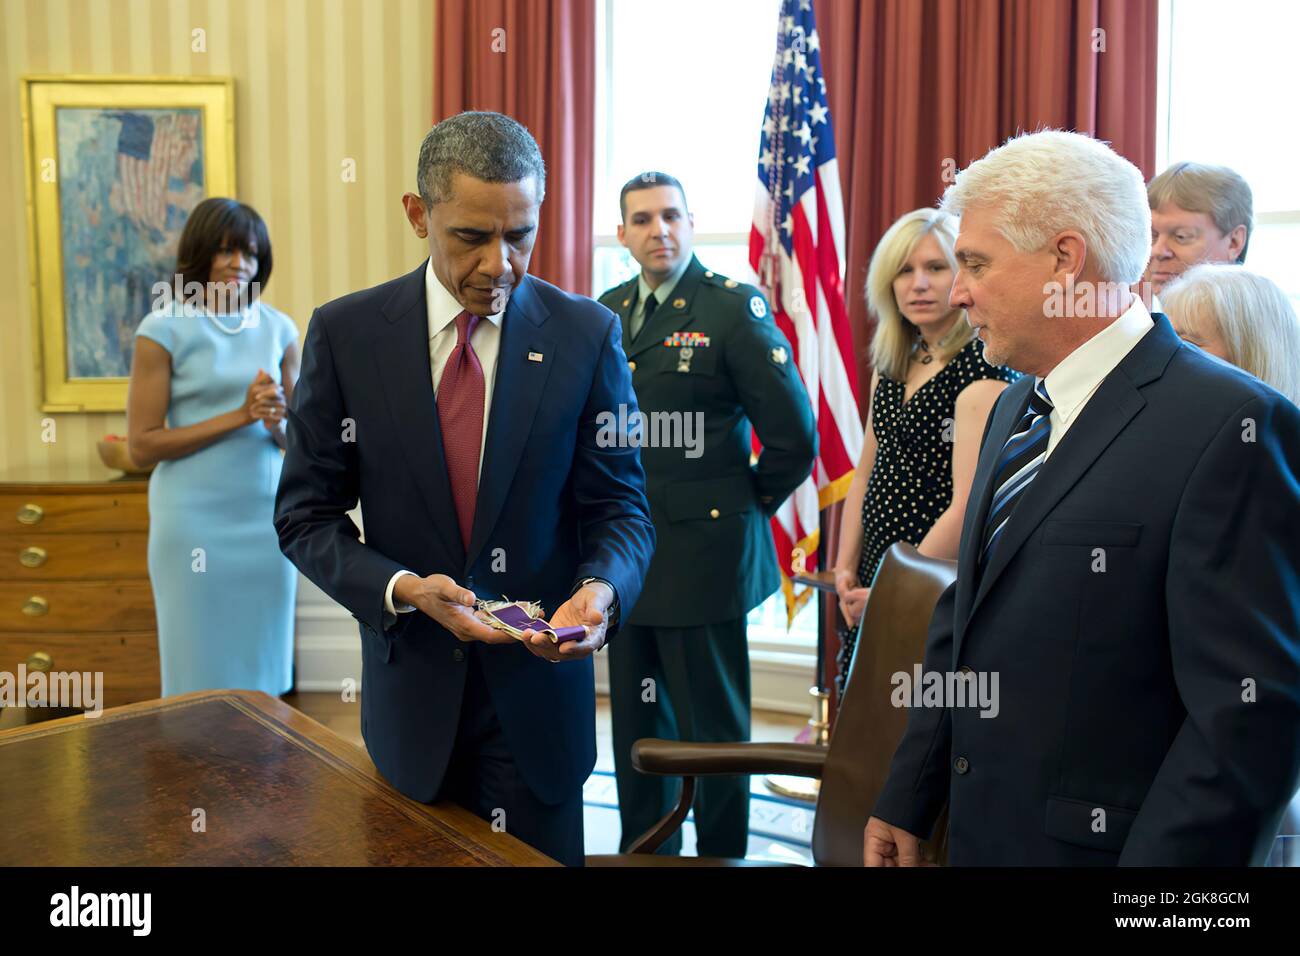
point(682, 88)
point(1225, 96)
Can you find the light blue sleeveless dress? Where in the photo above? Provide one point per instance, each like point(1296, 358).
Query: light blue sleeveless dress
point(224, 593)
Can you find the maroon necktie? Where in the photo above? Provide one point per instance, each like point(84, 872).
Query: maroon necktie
point(460, 414)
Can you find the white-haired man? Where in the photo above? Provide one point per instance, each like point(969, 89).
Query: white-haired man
point(1128, 564)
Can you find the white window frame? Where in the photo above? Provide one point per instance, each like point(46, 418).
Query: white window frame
point(1164, 130)
point(789, 658)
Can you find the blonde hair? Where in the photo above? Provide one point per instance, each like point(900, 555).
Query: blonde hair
point(1255, 319)
point(896, 337)
point(1039, 184)
point(1216, 191)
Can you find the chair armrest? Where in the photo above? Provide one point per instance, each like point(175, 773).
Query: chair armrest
point(683, 759)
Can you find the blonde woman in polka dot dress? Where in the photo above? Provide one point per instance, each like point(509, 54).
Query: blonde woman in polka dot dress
point(931, 393)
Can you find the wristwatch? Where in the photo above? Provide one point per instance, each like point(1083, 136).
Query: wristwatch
point(613, 608)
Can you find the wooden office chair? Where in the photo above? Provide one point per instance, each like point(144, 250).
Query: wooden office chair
point(853, 768)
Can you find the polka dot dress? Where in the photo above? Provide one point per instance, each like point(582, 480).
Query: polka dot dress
point(911, 480)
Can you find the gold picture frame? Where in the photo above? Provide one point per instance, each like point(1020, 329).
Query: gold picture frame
point(113, 166)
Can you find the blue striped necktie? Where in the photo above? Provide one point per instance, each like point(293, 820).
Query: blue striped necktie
point(1017, 465)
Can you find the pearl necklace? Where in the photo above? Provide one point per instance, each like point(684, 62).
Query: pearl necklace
point(248, 320)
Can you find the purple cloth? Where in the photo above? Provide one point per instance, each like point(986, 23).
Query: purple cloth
point(515, 617)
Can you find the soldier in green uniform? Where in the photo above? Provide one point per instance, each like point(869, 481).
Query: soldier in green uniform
point(707, 362)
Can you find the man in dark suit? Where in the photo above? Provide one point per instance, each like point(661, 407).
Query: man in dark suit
point(1129, 568)
point(459, 404)
point(707, 362)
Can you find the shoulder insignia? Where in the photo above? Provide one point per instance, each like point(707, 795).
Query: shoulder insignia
point(757, 306)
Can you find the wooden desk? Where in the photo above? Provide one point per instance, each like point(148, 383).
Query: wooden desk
point(276, 789)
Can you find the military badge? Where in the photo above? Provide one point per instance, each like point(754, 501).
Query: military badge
point(693, 339)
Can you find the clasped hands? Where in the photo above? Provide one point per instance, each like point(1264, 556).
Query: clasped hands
point(452, 606)
point(265, 402)
point(853, 598)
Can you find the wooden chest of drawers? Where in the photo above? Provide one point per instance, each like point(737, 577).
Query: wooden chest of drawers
point(74, 581)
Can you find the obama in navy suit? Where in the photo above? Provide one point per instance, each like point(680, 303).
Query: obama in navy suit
point(459, 405)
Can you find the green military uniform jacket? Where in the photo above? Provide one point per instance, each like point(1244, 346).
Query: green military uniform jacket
point(713, 349)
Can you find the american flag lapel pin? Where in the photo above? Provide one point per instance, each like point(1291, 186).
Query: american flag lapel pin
point(534, 356)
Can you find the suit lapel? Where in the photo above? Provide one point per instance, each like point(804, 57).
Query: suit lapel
point(1106, 414)
point(516, 395)
point(1008, 413)
point(622, 304)
point(670, 316)
point(402, 365)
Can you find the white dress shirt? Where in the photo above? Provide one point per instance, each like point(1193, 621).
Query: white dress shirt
point(442, 309)
point(1078, 376)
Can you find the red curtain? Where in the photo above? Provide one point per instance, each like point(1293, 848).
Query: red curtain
point(920, 88)
point(534, 60)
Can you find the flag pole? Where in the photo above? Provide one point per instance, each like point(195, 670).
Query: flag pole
point(819, 724)
point(797, 251)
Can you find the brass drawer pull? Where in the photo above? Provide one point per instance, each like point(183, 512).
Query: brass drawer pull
point(36, 606)
point(32, 557)
point(30, 514)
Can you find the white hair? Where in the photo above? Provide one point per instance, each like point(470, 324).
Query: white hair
point(1254, 318)
point(1039, 184)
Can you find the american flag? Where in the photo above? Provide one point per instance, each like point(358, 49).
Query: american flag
point(152, 154)
point(796, 247)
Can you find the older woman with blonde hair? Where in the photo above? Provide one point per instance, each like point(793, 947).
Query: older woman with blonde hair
point(1240, 317)
point(931, 393)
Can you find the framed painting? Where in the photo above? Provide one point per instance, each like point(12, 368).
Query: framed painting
point(114, 165)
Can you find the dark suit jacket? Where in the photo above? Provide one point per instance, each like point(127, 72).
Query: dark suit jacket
point(553, 507)
point(1123, 735)
point(714, 557)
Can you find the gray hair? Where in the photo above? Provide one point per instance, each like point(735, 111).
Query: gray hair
point(1254, 318)
point(1040, 184)
point(491, 147)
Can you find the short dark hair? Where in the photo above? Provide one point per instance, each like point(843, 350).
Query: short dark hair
point(491, 147)
point(647, 180)
point(215, 224)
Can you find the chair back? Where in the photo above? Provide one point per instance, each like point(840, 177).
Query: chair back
point(868, 727)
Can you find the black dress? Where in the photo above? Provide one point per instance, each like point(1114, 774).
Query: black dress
point(911, 479)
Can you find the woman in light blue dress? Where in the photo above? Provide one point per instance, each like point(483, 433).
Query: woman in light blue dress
point(212, 370)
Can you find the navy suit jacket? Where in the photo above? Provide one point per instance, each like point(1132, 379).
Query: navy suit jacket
point(1150, 711)
point(553, 507)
